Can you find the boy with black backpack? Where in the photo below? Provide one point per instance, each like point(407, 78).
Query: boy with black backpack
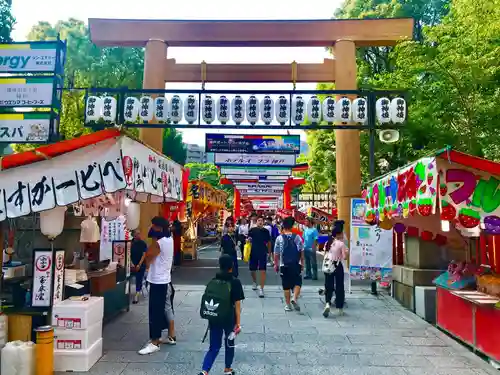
point(221, 306)
point(289, 262)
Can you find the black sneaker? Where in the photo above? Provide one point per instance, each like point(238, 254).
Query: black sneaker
point(232, 372)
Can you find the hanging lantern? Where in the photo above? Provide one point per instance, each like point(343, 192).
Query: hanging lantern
point(208, 109)
point(329, 110)
point(133, 214)
point(131, 109)
point(176, 109)
point(223, 111)
point(399, 228)
point(359, 112)
point(314, 110)
point(298, 108)
point(382, 109)
point(147, 108)
point(93, 108)
point(109, 109)
point(252, 110)
point(238, 109)
point(282, 110)
point(343, 110)
point(52, 222)
point(398, 110)
point(191, 109)
point(161, 109)
point(267, 109)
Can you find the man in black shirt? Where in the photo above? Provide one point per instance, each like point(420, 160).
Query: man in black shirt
point(261, 248)
point(138, 266)
point(228, 245)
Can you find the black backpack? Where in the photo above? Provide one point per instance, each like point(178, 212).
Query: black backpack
point(291, 255)
point(216, 305)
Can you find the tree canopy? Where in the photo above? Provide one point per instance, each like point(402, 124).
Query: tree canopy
point(7, 21)
point(450, 70)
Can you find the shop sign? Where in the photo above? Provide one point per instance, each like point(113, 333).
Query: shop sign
point(25, 127)
point(28, 57)
point(253, 144)
point(268, 186)
point(112, 230)
point(59, 277)
point(282, 212)
point(255, 160)
point(42, 279)
point(319, 215)
point(408, 191)
point(260, 191)
point(237, 170)
point(203, 193)
point(149, 173)
point(26, 92)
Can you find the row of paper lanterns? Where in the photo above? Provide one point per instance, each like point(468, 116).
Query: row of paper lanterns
point(223, 109)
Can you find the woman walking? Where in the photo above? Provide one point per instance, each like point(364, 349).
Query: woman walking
point(335, 254)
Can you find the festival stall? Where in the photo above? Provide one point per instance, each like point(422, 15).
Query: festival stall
point(202, 202)
point(446, 215)
point(73, 282)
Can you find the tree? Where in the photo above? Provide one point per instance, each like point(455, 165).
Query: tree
point(209, 173)
point(7, 21)
point(173, 147)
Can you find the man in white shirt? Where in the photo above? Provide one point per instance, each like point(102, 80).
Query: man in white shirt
point(159, 257)
point(253, 220)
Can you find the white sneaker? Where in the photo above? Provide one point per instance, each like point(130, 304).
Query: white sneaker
point(340, 312)
point(261, 293)
point(326, 310)
point(295, 305)
point(254, 286)
point(149, 349)
point(288, 307)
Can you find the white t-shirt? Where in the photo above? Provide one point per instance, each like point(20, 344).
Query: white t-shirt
point(253, 225)
point(243, 229)
point(270, 229)
point(161, 268)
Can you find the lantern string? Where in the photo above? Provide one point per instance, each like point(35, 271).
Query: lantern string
point(294, 74)
point(203, 74)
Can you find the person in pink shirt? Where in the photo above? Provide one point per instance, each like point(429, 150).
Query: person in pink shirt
point(334, 281)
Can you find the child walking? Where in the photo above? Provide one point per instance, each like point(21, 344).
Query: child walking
point(221, 306)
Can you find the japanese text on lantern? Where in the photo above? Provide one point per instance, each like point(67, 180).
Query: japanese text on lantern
point(42, 279)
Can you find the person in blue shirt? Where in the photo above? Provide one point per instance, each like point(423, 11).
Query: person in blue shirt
point(310, 246)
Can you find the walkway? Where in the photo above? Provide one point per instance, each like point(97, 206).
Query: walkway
point(375, 337)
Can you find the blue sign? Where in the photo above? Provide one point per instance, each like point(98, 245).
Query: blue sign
point(253, 144)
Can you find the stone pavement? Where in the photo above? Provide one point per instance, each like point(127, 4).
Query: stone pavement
point(376, 336)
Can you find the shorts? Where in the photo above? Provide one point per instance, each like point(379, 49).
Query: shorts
point(291, 276)
point(258, 262)
point(169, 303)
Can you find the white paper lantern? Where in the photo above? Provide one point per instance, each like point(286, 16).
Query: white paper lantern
point(382, 110)
point(208, 109)
point(298, 110)
point(359, 110)
point(131, 109)
point(161, 109)
point(343, 110)
point(282, 110)
point(398, 110)
point(252, 110)
point(329, 110)
point(191, 109)
point(93, 108)
point(267, 110)
point(109, 108)
point(176, 109)
point(223, 109)
point(52, 222)
point(238, 109)
point(146, 111)
point(133, 215)
point(314, 110)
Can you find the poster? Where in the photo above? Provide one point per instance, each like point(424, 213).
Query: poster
point(26, 92)
point(59, 277)
point(253, 144)
point(262, 160)
point(28, 57)
point(121, 254)
point(25, 127)
point(260, 171)
point(42, 279)
point(113, 230)
point(370, 247)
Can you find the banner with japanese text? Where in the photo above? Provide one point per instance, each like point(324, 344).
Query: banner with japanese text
point(252, 144)
point(370, 247)
point(201, 194)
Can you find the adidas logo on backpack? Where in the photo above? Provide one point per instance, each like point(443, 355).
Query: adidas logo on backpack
point(210, 308)
point(216, 306)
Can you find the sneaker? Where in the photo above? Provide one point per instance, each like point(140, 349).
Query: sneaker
point(261, 293)
point(295, 305)
point(321, 292)
point(254, 286)
point(326, 310)
point(288, 307)
point(136, 299)
point(171, 340)
point(229, 372)
point(149, 349)
point(340, 312)
point(307, 277)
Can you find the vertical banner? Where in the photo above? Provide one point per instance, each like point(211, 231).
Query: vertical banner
point(370, 247)
point(42, 278)
point(59, 277)
point(113, 230)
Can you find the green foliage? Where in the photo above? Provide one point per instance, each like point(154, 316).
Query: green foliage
point(209, 173)
point(451, 72)
point(7, 21)
point(173, 147)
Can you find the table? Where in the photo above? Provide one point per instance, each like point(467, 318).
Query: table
point(471, 317)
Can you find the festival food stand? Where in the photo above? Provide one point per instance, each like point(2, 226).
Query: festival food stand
point(70, 285)
point(449, 203)
point(202, 201)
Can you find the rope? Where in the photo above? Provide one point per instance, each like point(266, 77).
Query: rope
point(294, 74)
point(203, 74)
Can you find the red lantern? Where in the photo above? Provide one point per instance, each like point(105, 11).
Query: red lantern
point(426, 235)
point(412, 232)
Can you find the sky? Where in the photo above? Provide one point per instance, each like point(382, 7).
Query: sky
point(54, 10)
